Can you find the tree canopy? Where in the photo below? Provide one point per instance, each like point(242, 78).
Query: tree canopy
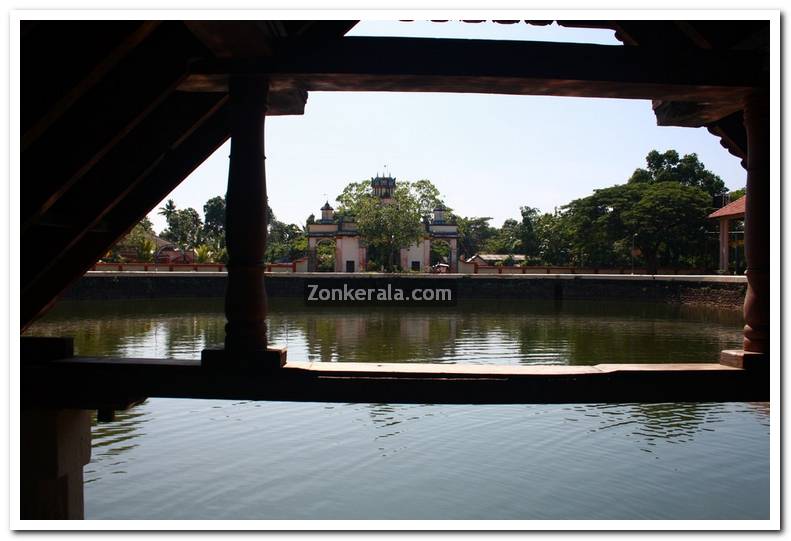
point(688, 171)
point(388, 227)
point(656, 218)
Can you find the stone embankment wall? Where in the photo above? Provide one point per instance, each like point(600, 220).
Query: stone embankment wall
point(725, 291)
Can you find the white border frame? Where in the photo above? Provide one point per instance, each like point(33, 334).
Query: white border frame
point(773, 16)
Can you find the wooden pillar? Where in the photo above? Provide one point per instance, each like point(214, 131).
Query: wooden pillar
point(245, 230)
point(724, 244)
point(756, 224)
point(54, 447)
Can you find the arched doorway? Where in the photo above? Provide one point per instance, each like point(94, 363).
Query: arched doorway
point(321, 254)
point(325, 255)
point(440, 252)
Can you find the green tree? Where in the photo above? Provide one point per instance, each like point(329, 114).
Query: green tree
point(146, 250)
point(665, 220)
point(688, 171)
point(325, 257)
point(554, 239)
point(440, 253)
point(390, 226)
point(527, 231)
point(168, 210)
point(738, 194)
point(285, 242)
point(352, 196)
point(595, 225)
point(184, 229)
point(668, 222)
point(428, 197)
point(214, 223)
point(474, 233)
point(506, 240)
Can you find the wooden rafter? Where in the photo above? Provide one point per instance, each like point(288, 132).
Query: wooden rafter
point(507, 67)
point(148, 191)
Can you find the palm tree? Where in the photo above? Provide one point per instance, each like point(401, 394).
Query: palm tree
point(203, 253)
point(168, 210)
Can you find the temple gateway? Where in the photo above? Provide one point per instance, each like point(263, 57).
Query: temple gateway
point(351, 253)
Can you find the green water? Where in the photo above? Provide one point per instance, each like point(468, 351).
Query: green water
point(205, 459)
point(499, 332)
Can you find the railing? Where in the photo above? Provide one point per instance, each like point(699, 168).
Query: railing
point(549, 269)
point(477, 268)
point(160, 267)
point(188, 267)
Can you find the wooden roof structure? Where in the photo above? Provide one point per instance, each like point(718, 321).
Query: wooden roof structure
point(734, 209)
point(115, 114)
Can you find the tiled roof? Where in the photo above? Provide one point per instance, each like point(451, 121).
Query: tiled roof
point(731, 210)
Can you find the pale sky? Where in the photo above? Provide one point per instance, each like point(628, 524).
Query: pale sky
point(487, 154)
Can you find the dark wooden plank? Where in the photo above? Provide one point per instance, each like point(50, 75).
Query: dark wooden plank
point(234, 38)
point(37, 349)
point(508, 67)
point(103, 116)
point(56, 56)
point(88, 382)
point(160, 181)
point(85, 206)
point(51, 114)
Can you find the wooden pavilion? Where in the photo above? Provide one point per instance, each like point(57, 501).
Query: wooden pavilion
point(115, 114)
point(725, 215)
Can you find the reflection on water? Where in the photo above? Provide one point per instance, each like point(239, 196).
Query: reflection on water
point(112, 442)
point(497, 332)
point(200, 459)
point(223, 459)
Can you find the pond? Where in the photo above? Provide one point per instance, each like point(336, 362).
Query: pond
point(201, 459)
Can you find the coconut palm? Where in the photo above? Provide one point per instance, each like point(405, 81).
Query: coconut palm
point(168, 210)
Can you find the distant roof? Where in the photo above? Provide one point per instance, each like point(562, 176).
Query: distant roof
point(731, 210)
point(158, 241)
point(326, 206)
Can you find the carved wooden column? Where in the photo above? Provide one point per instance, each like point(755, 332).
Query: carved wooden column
point(756, 224)
point(245, 230)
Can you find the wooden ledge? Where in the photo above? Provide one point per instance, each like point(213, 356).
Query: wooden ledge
point(97, 382)
point(438, 369)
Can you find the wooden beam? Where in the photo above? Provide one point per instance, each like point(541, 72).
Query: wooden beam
point(247, 39)
point(85, 206)
point(733, 136)
point(503, 67)
point(103, 116)
point(58, 56)
point(159, 182)
point(102, 382)
point(233, 38)
point(118, 53)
